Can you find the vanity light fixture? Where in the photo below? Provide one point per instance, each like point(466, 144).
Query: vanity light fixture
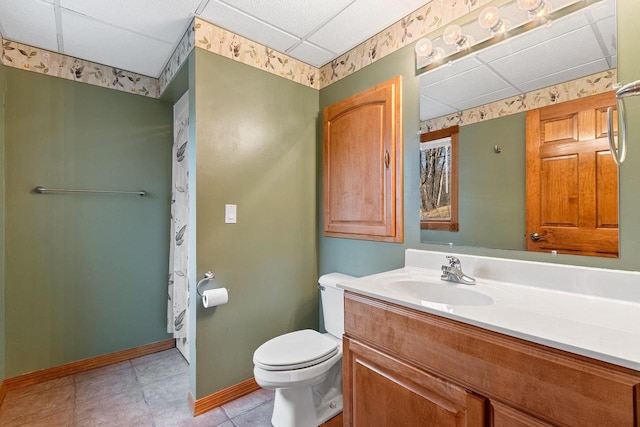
point(489, 19)
point(497, 21)
point(424, 48)
point(453, 36)
point(536, 8)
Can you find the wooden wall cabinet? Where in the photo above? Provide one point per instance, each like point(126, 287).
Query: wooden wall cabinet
point(403, 367)
point(362, 165)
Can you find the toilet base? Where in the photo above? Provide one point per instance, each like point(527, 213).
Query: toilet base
point(294, 408)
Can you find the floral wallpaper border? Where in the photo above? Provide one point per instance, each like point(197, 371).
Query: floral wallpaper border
point(178, 57)
point(563, 92)
point(222, 42)
point(431, 16)
point(42, 61)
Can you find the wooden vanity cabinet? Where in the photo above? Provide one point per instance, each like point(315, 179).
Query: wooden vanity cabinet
point(404, 367)
point(385, 391)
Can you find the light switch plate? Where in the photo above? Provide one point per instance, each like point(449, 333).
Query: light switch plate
point(230, 214)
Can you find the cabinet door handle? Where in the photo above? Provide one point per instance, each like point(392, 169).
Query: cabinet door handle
point(387, 159)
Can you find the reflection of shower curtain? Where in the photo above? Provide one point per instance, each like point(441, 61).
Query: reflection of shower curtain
point(178, 303)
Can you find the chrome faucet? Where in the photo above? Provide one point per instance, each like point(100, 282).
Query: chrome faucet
point(453, 272)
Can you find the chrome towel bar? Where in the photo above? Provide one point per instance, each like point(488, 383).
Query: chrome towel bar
point(43, 190)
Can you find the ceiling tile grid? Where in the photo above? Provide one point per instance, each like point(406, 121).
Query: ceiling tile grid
point(575, 45)
point(567, 91)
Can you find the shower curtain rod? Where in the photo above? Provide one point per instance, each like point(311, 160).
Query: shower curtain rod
point(43, 190)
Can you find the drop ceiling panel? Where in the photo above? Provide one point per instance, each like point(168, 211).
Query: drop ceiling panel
point(118, 48)
point(550, 57)
point(603, 9)
point(163, 19)
point(534, 37)
point(469, 85)
point(449, 71)
point(607, 28)
point(565, 75)
point(296, 17)
point(30, 22)
point(314, 55)
point(486, 98)
point(430, 108)
point(360, 21)
point(247, 26)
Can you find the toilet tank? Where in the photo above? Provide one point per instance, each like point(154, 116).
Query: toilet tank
point(332, 299)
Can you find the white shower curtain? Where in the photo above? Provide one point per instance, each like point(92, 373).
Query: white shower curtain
point(178, 302)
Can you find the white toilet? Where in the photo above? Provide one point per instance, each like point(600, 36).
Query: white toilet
point(305, 367)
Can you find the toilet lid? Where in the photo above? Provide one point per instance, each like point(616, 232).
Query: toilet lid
point(295, 350)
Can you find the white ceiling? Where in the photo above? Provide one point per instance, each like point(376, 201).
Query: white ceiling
point(140, 35)
point(577, 45)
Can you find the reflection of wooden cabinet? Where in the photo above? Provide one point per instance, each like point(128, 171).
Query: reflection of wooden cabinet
point(362, 165)
point(404, 367)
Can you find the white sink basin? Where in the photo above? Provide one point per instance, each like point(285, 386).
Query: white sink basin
point(438, 292)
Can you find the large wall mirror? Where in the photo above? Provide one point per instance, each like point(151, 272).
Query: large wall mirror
point(487, 92)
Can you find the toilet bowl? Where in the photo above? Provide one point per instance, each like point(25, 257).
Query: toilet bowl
point(305, 367)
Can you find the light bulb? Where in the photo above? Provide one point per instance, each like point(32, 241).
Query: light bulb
point(529, 5)
point(489, 17)
point(424, 47)
point(452, 34)
point(536, 8)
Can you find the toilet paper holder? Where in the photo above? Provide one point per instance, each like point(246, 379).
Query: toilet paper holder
point(207, 276)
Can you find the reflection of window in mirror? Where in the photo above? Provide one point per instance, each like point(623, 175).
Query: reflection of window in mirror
point(439, 179)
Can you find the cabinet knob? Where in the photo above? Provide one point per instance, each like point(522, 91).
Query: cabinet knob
point(387, 159)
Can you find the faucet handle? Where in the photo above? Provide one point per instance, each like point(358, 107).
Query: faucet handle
point(453, 261)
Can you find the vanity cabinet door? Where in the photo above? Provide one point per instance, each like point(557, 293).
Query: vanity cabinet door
point(362, 165)
point(380, 390)
point(505, 416)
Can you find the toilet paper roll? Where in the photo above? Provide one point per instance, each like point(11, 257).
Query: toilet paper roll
point(214, 297)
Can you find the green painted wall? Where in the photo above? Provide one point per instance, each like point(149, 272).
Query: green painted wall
point(256, 147)
point(483, 191)
point(363, 257)
point(628, 12)
point(85, 274)
point(2, 228)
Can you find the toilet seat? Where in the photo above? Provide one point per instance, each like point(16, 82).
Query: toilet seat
point(295, 350)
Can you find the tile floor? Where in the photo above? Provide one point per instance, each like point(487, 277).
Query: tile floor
point(149, 391)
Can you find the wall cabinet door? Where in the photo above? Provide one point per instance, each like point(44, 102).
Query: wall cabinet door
point(362, 165)
point(381, 390)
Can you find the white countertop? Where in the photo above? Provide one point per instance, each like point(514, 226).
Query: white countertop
point(595, 326)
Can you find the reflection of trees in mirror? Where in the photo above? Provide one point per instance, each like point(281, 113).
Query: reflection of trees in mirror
point(435, 182)
point(439, 179)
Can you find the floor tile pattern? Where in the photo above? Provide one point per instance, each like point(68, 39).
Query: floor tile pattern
point(150, 391)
